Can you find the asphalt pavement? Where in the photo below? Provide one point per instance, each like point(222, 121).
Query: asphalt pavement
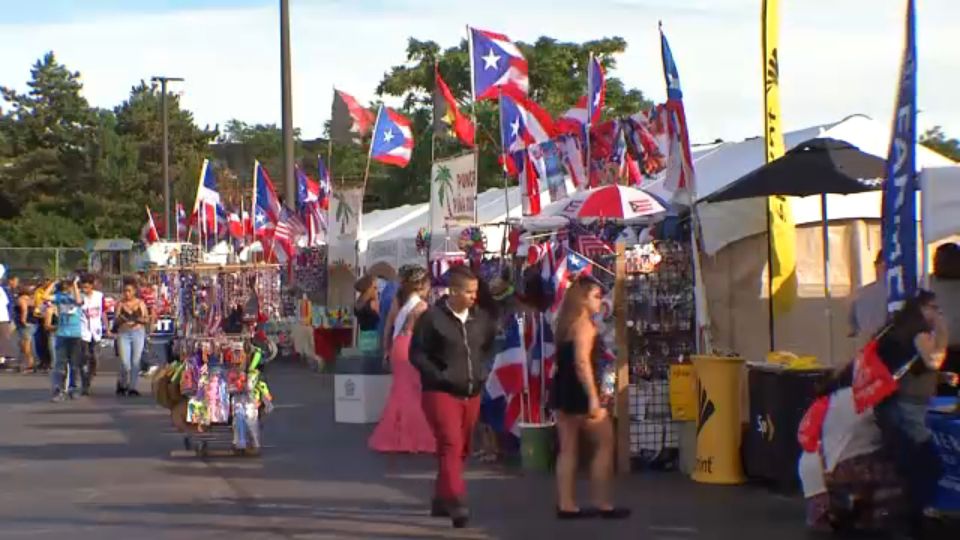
point(103, 467)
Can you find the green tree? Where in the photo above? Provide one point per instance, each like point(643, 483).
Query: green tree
point(139, 125)
point(51, 138)
point(557, 80)
point(936, 140)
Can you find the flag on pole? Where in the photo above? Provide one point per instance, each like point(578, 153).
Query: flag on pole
point(308, 204)
point(323, 181)
point(495, 62)
point(349, 121)
point(150, 235)
point(446, 113)
point(899, 227)
point(181, 223)
point(782, 234)
point(680, 175)
point(207, 201)
point(522, 121)
point(596, 90)
point(266, 204)
point(392, 138)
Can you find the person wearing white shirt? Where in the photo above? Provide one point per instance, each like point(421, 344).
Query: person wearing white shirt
point(93, 319)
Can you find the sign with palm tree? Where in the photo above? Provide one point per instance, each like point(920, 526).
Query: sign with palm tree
point(347, 210)
point(453, 192)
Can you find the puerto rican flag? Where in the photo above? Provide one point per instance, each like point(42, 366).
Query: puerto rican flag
point(308, 202)
point(522, 121)
point(392, 138)
point(266, 204)
point(680, 173)
point(208, 200)
point(589, 108)
point(507, 376)
point(323, 182)
point(495, 62)
point(566, 266)
point(182, 222)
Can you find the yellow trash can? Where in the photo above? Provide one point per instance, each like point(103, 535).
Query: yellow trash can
point(718, 420)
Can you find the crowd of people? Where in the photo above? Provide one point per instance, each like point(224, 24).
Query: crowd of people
point(876, 468)
point(440, 355)
point(58, 328)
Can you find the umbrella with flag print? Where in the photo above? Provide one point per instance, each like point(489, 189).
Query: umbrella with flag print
point(610, 202)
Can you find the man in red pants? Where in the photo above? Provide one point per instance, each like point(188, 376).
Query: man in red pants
point(450, 345)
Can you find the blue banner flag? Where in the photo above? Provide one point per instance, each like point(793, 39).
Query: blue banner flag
point(899, 192)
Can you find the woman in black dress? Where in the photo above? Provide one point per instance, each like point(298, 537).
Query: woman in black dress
point(576, 398)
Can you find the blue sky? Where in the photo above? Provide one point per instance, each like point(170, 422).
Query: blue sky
point(47, 11)
point(838, 57)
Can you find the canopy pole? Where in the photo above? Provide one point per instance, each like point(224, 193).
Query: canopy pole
point(770, 319)
point(827, 296)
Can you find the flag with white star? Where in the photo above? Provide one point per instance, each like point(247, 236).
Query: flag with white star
point(392, 138)
point(495, 62)
point(266, 204)
point(522, 121)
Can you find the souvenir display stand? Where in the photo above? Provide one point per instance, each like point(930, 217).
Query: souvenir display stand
point(660, 327)
point(218, 374)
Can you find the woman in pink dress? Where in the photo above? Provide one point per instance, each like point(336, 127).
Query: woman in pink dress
point(403, 427)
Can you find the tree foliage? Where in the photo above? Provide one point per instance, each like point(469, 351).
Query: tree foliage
point(936, 140)
point(69, 171)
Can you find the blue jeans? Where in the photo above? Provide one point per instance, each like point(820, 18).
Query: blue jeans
point(130, 347)
point(67, 364)
point(908, 441)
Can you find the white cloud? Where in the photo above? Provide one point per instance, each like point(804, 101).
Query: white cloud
point(837, 58)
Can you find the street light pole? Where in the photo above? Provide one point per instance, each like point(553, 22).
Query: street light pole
point(166, 151)
point(286, 103)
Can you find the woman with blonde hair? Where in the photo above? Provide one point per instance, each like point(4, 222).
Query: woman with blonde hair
point(577, 401)
point(403, 426)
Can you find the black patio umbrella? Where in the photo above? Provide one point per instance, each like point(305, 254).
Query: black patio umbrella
point(813, 167)
point(816, 167)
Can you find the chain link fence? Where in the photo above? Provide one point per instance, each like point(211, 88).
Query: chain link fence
point(50, 263)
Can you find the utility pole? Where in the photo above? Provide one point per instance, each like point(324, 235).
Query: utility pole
point(286, 103)
point(167, 214)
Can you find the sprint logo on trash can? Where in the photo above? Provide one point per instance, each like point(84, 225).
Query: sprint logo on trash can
point(349, 389)
point(765, 427)
point(705, 410)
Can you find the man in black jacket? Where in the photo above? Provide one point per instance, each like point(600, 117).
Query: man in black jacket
point(450, 345)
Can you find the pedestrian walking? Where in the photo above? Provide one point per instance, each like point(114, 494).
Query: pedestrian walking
point(131, 322)
point(94, 320)
point(8, 348)
point(579, 404)
point(450, 343)
point(69, 343)
point(26, 323)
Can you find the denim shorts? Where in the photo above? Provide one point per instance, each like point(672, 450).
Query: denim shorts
point(27, 331)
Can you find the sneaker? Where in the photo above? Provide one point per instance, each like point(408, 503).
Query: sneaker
point(85, 392)
point(133, 393)
point(121, 391)
point(72, 394)
point(58, 398)
point(438, 509)
point(459, 515)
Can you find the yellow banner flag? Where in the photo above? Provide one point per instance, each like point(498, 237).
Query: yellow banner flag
point(783, 238)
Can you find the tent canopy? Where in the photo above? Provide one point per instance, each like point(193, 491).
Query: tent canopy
point(719, 165)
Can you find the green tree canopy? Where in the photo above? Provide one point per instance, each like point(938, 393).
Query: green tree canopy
point(936, 140)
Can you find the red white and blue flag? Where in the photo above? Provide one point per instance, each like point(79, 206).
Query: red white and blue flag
point(589, 108)
point(566, 266)
point(308, 203)
point(323, 181)
point(496, 62)
point(149, 235)
point(680, 174)
point(522, 121)
point(392, 138)
point(266, 204)
point(182, 222)
point(208, 200)
point(506, 380)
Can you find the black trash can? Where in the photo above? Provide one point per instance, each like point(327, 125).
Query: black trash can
point(778, 400)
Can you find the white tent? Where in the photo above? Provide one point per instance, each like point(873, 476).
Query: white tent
point(735, 271)
point(941, 202)
point(718, 166)
point(396, 245)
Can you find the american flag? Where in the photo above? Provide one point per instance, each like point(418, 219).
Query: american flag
point(590, 245)
point(289, 228)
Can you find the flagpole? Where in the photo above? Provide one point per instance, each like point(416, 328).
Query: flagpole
point(476, 144)
point(589, 123)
